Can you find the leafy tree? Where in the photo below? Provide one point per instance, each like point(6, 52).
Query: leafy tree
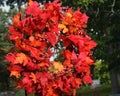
point(5, 47)
point(101, 72)
point(104, 26)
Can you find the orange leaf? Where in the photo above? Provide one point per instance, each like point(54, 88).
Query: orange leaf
point(42, 64)
point(30, 2)
point(15, 73)
point(51, 92)
point(62, 26)
point(89, 60)
point(58, 66)
point(34, 42)
point(32, 75)
point(16, 18)
point(21, 58)
point(68, 14)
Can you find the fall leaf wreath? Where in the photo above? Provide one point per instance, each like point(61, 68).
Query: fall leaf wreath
point(36, 34)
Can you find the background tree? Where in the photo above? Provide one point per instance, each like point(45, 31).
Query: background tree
point(104, 26)
point(5, 47)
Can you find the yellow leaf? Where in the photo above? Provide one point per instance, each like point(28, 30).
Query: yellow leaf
point(65, 30)
point(58, 66)
point(62, 26)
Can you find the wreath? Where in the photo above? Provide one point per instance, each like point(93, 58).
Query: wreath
point(37, 35)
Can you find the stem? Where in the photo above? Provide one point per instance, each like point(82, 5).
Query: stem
point(26, 93)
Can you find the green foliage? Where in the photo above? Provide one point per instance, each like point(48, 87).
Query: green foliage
point(5, 46)
point(103, 90)
point(101, 72)
point(104, 26)
point(3, 49)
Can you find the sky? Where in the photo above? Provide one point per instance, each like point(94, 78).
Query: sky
point(5, 7)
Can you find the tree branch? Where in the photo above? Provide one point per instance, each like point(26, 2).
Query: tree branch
point(112, 6)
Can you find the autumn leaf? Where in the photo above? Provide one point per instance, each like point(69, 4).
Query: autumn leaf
point(16, 18)
point(58, 66)
point(21, 58)
point(62, 26)
point(35, 53)
point(10, 57)
point(87, 79)
point(14, 34)
point(34, 42)
point(30, 2)
point(51, 92)
point(33, 77)
point(51, 37)
point(15, 74)
point(33, 9)
point(15, 71)
point(42, 64)
point(89, 60)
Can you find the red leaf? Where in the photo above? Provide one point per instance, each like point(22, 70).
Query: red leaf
point(35, 53)
point(14, 34)
point(87, 79)
point(51, 37)
point(42, 77)
point(10, 57)
point(33, 9)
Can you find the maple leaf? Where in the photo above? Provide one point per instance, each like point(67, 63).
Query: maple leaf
point(62, 26)
point(33, 77)
point(34, 42)
point(51, 37)
point(87, 79)
point(42, 77)
point(88, 60)
point(15, 74)
point(42, 64)
point(58, 66)
point(67, 54)
point(90, 45)
point(14, 34)
point(51, 92)
point(35, 53)
point(15, 71)
point(10, 57)
point(31, 66)
point(27, 84)
point(30, 2)
point(33, 9)
point(74, 57)
point(21, 58)
point(16, 20)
